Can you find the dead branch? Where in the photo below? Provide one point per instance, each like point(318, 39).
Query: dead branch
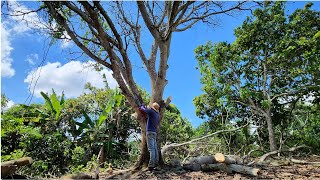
point(262, 158)
point(296, 161)
point(173, 145)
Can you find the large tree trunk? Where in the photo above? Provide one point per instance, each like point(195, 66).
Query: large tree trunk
point(144, 156)
point(272, 141)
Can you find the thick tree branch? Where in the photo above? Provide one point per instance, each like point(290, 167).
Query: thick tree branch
point(182, 9)
point(77, 11)
point(126, 60)
point(111, 25)
point(59, 18)
point(145, 16)
point(170, 24)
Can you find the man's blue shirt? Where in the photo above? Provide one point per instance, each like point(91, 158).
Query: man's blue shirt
point(153, 119)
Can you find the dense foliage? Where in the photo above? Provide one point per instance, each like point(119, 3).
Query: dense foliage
point(263, 76)
point(66, 135)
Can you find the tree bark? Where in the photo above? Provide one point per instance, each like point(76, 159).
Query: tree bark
point(272, 141)
point(228, 159)
point(231, 168)
point(144, 156)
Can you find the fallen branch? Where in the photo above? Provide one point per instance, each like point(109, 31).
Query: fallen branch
point(245, 157)
point(262, 158)
point(230, 168)
point(303, 162)
point(173, 145)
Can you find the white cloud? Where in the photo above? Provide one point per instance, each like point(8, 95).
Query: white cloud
point(24, 18)
point(15, 25)
point(10, 104)
point(70, 78)
point(66, 42)
point(31, 58)
point(6, 60)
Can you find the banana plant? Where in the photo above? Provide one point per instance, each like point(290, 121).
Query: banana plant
point(53, 104)
point(90, 130)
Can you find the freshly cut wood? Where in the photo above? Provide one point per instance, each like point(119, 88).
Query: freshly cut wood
point(9, 167)
point(228, 159)
point(230, 168)
point(219, 157)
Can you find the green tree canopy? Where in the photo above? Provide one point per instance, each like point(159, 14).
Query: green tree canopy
point(272, 64)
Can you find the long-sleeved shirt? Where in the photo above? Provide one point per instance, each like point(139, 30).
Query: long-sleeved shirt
point(153, 119)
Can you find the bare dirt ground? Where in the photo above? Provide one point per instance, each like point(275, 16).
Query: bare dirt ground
point(271, 171)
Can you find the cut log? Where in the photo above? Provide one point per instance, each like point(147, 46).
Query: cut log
point(9, 167)
point(195, 163)
point(228, 159)
point(219, 157)
point(231, 168)
point(233, 159)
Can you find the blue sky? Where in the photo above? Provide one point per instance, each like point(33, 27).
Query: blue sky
point(23, 52)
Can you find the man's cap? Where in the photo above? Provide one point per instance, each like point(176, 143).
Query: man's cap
point(155, 106)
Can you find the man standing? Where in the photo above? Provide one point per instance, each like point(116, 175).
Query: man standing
point(151, 133)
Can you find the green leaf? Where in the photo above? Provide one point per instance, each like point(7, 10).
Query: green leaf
point(47, 101)
point(56, 104)
point(109, 108)
point(62, 100)
point(118, 99)
point(102, 118)
point(87, 120)
point(317, 35)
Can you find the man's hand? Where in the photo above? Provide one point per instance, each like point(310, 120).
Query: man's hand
point(143, 106)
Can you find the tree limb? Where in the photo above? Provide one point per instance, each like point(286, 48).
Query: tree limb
point(262, 158)
point(173, 145)
point(147, 20)
point(59, 18)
